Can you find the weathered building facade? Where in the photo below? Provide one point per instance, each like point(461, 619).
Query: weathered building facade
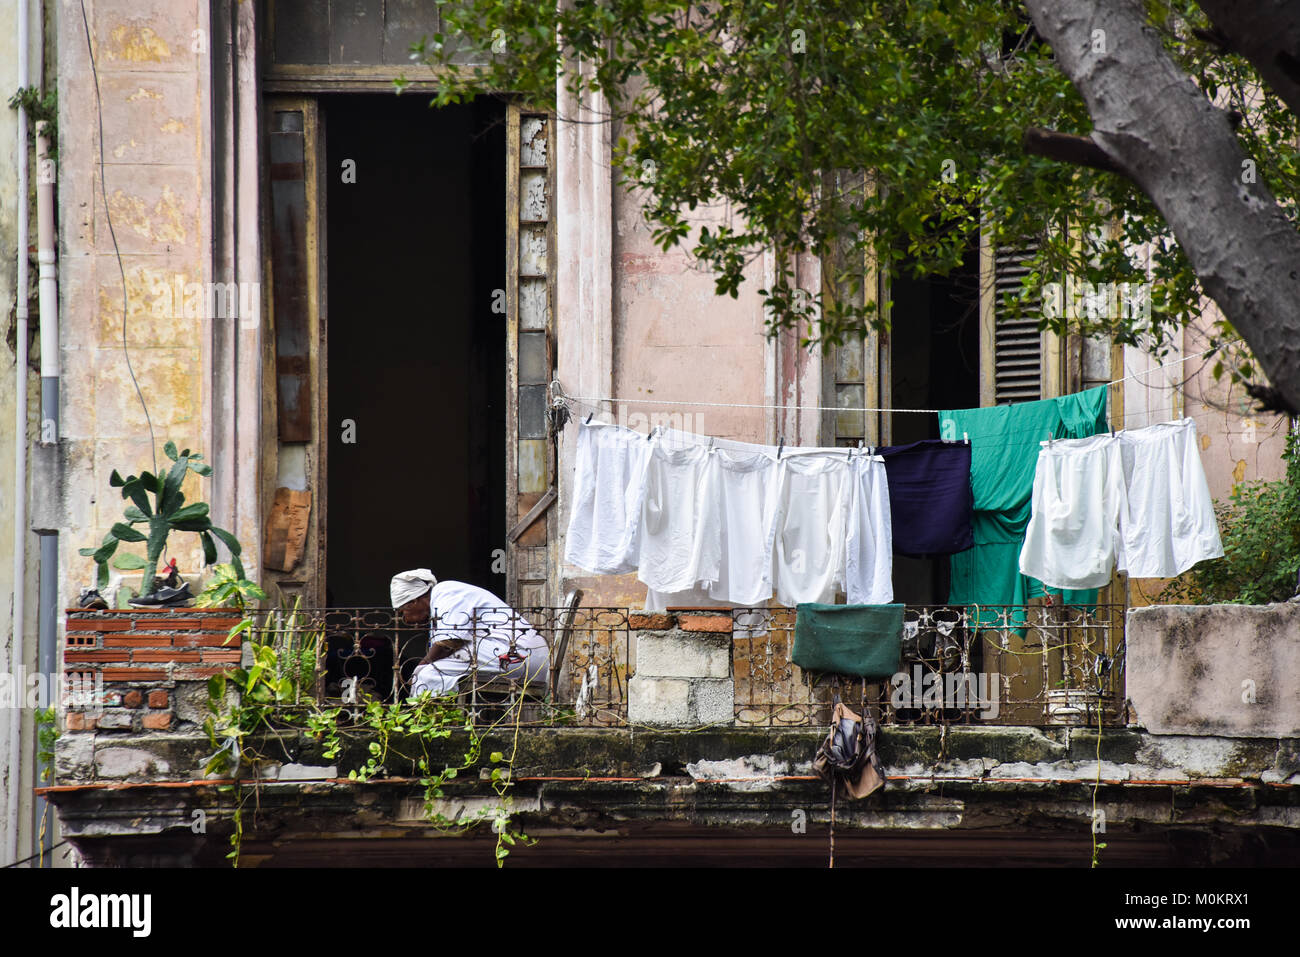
point(355, 306)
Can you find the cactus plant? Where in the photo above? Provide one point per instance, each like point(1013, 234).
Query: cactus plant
point(166, 513)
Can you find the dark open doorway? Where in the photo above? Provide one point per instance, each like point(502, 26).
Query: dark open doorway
point(935, 361)
point(416, 356)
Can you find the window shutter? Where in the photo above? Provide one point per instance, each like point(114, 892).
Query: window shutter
point(1017, 343)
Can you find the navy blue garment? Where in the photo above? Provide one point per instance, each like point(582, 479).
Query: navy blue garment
point(930, 497)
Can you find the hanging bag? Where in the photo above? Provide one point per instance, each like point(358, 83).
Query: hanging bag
point(848, 755)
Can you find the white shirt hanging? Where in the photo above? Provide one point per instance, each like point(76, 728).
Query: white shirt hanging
point(680, 541)
point(1138, 501)
point(605, 513)
point(1072, 539)
point(813, 500)
point(869, 548)
point(1168, 524)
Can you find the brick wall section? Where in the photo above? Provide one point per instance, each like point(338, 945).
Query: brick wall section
point(149, 666)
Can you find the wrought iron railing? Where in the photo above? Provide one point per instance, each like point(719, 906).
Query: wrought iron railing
point(1004, 665)
point(352, 655)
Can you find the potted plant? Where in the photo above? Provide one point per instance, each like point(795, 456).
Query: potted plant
point(157, 502)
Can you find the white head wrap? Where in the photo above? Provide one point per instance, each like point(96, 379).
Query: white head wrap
point(409, 586)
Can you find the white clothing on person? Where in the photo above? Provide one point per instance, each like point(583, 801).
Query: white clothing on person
point(408, 586)
point(491, 630)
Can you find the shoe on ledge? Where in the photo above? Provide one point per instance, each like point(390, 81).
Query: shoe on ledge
point(165, 597)
point(90, 598)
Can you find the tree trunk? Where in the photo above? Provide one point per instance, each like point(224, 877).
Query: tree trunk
point(1267, 33)
point(1164, 134)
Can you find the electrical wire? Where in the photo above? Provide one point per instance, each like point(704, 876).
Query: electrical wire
point(32, 857)
point(589, 400)
point(117, 252)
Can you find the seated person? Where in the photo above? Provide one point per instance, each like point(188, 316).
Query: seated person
point(473, 630)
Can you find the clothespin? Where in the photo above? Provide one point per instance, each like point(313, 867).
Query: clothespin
point(780, 448)
point(965, 437)
point(849, 456)
point(651, 434)
point(710, 445)
point(589, 415)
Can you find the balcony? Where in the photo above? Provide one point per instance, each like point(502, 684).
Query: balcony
point(689, 734)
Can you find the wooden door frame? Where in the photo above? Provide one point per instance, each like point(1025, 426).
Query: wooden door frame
point(308, 581)
point(517, 567)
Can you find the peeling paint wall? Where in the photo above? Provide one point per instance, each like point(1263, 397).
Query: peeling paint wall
point(152, 63)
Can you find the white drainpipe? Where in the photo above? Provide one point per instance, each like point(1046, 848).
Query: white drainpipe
point(14, 749)
point(48, 631)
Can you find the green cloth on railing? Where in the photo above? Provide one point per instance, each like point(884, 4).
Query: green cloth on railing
point(1004, 454)
point(861, 640)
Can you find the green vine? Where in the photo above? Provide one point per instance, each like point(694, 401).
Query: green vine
point(275, 696)
point(47, 732)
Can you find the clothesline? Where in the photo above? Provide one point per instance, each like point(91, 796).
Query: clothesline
point(1142, 412)
point(591, 400)
point(1036, 437)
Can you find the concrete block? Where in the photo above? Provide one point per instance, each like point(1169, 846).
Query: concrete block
point(116, 721)
point(192, 701)
point(1230, 670)
point(680, 655)
point(713, 700)
point(659, 701)
point(129, 762)
point(308, 772)
point(74, 757)
point(161, 108)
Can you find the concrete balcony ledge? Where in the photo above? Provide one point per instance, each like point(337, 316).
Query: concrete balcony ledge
point(721, 755)
point(136, 799)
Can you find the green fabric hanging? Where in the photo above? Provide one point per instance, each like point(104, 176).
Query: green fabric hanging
point(1004, 453)
point(861, 640)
